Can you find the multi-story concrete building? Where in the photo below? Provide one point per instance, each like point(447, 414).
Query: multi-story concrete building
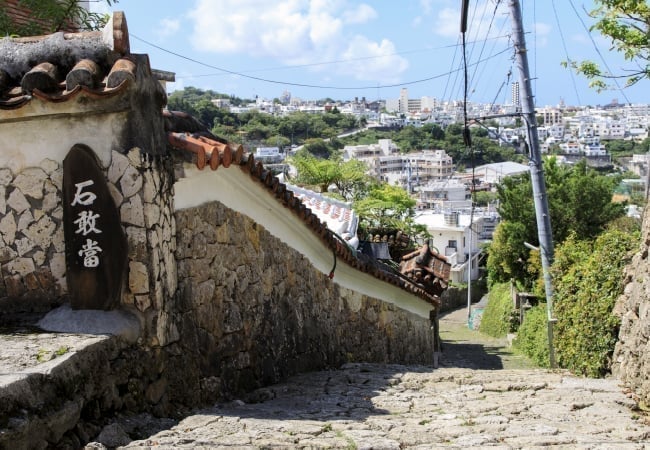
point(452, 236)
point(550, 115)
point(639, 164)
point(440, 195)
point(413, 169)
point(431, 165)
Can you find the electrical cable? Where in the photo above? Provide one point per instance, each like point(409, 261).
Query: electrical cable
point(479, 75)
point(334, 61)
point(593, 42)
point(573, 80)
point(484, 41)
point(287, 83)
point(453, 62)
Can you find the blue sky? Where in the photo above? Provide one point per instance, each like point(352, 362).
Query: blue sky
point(370, 49)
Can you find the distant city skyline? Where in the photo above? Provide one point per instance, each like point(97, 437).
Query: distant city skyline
point(346, 49)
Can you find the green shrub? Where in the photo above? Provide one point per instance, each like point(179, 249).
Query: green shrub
point(588, 278)
point(532, 337)
point(497, 316)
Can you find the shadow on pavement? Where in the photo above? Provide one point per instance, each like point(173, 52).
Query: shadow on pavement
point(471, 356)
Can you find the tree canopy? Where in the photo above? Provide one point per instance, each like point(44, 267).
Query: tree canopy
point(580, 202)
point(49, 16)
point(349, 177)
point(627, 24)
point(387, 206)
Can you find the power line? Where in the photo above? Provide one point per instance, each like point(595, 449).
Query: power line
point(453, 62)
point(593, 42)
point(315, 86)
point(335, 61)
point(573, 80)
point(478, 29)
point(476, 77)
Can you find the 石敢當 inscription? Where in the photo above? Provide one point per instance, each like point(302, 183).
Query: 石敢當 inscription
point(95, 243)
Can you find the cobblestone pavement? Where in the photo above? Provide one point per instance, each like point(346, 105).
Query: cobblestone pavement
point(470, 401)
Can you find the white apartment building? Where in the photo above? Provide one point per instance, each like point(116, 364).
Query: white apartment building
point(591, 146)
point(557, 131)
point(441, 195)
point(550, 116)
point(495, 172)
point(386, 164)
point(405, 105)
point(607, 128)
point(639, 164)
point(570, 147)
point(431, 165)
point(586, 129)
point(450, 236)
point(383, 147)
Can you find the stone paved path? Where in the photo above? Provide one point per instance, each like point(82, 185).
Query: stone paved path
point(481, 397)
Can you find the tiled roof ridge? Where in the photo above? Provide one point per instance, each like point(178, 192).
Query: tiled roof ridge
point(95, 64)
point(208, 152)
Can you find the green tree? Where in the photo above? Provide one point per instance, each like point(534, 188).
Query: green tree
point(588, 281)
point(627, 25)
point(389, 207)
point(318, 148)
point(532, 335)
point(497, 319)
point(580, 202)
point(483, 198)
point(49, 16)
point(507, 255)
point(349, 177)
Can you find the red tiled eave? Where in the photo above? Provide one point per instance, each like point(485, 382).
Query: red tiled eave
point(204, 152)
point(104, 67)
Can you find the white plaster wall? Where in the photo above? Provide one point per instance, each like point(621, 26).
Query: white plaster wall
point(28, 142)
point(237, 191)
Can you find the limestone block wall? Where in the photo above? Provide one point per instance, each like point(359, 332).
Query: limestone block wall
point(32, 254)
point(142, 187)
point(250, 310)
point(631, 360)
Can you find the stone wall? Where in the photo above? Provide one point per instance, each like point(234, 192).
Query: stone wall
point(69, 401)
point(32, 255)
point(250, 310)
point(143, 189)
point(631, 360)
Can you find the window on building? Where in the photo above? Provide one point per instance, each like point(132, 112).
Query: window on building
point(452, 244)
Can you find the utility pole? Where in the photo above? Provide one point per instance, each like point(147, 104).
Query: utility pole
point(536, 168)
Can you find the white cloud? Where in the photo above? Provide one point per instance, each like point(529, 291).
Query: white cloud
point(448, 23)
point(542, 32)
point(295, 32)
point(168, 27)
point(481, 25)
point(427, 6)
point(371, 60)
point(362, 14)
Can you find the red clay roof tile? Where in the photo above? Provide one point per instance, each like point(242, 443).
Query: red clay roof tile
point(201, 147)
point(85, 64)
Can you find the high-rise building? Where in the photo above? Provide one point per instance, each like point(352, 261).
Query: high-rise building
point(516, 99)
point(403, 101)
